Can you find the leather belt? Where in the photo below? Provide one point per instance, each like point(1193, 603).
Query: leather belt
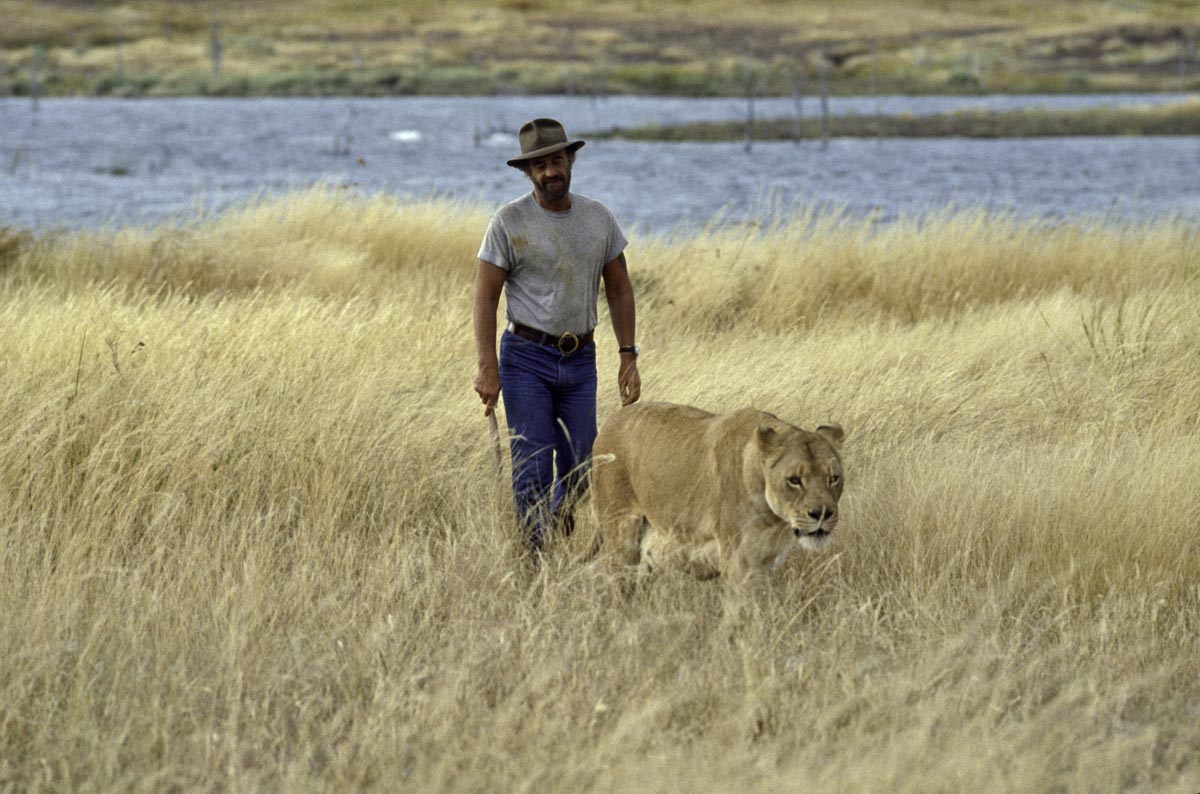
point(566, 344)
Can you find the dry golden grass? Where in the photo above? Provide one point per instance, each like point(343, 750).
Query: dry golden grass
point(250, 538)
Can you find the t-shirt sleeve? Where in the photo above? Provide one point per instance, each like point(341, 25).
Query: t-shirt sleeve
point(495, 247)
point(617, 241)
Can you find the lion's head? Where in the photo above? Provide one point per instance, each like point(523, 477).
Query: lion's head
point(803, 474)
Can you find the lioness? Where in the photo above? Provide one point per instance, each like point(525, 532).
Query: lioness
point(718, 495)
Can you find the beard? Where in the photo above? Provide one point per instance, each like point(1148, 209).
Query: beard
point(554, 190)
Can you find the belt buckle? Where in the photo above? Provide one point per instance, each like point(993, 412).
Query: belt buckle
point(567, 338)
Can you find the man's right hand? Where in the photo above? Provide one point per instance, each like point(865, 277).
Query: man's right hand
point(487, 386)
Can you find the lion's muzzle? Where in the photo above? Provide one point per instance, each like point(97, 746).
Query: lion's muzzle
point(817, 534)
point(816, 531)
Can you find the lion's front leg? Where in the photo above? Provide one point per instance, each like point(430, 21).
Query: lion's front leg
point(746, 568)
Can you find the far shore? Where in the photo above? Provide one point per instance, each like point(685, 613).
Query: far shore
point(1179, 118)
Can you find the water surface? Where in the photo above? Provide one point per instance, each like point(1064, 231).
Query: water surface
point(94, 162)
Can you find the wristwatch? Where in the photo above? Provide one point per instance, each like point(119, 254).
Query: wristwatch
point(629, 349)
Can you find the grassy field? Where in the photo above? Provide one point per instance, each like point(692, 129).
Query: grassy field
point(691, 47)
point(251, 539)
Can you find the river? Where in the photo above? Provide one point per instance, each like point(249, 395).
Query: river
point(90, 163)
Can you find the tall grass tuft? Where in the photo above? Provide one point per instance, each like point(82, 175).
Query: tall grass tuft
point(251, 538)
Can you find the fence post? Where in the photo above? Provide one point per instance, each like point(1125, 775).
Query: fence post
point(824, 70)
point(35, 77)
point(751, 87)
point(875, 88)
point(797, 70)
point(119, 87)
point(1185, 51)
point(570, 59)
point(214, 48)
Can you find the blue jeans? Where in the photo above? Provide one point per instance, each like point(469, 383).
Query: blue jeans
point(550, 405)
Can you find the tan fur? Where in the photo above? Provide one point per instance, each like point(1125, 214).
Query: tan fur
point(716, 495)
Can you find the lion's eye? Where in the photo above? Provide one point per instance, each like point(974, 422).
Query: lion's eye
point(835, 480)
point(795, 482)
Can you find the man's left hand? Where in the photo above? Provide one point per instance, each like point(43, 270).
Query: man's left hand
point(629, 383)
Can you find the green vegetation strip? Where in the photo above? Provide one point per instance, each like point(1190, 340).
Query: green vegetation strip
point(1174, 119)
point(594, 47)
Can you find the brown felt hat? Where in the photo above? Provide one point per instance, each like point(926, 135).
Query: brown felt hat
point(541, 137)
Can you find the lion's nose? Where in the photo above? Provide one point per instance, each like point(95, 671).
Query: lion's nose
point(820, 513)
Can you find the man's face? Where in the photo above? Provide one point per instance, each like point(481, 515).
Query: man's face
point(551, 176)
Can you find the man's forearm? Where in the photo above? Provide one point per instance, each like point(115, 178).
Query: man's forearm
point(618, 291)
point(488, 283)
point(624, 318)
point(485, 333)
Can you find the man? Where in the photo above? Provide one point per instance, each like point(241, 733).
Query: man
point(549, 250)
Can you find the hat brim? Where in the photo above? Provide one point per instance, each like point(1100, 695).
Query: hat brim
point(570, 146)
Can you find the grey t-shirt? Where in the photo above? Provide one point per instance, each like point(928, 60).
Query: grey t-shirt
point(554, 260)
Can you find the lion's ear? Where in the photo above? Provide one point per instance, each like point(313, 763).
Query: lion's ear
point(831, 432)
point(766, 437)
